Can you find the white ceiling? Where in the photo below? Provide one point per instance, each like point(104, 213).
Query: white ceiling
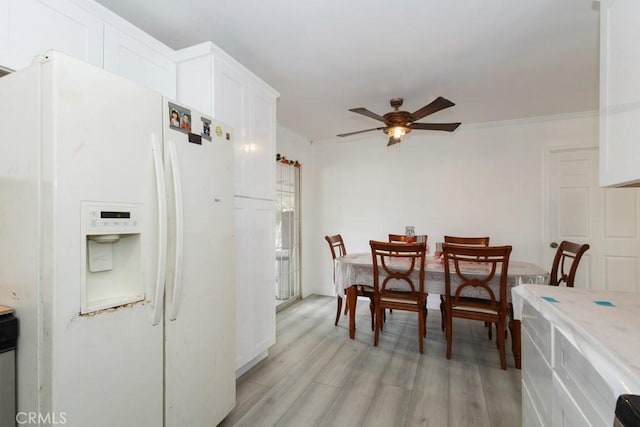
point(496, 59)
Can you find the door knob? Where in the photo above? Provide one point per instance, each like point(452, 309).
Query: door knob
point(554, 245)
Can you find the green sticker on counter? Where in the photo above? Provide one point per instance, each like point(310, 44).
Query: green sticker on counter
point(550, 299)
point(605, 303)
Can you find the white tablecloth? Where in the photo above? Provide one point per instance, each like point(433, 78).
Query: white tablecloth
point(357, 269)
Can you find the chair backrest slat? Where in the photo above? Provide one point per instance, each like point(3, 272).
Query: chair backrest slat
point(467, 241)
point(401, 238)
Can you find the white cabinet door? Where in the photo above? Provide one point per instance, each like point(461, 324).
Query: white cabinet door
point(261, 155)
point(31, 27)
point(134, 60)
point(231, 105)
point(249, 106)
point(619, 92)
point(255, 275)
point(194, 85)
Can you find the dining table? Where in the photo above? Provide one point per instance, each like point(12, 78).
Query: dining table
point(356, 269)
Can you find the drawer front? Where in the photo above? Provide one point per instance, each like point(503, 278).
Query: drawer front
point(537, 377)
point(530, 415)
point(566, 412)
point(581, 379)
point(539, 329)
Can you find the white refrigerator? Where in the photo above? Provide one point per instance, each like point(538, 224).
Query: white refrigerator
point(116, 250)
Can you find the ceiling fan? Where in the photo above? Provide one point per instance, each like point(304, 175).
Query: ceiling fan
point(398, 123)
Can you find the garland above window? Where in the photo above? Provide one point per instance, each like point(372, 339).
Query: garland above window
point(284, 160)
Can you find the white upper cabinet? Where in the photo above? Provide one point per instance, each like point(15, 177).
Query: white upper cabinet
point(31, 27)
point(87, 31)
point(194, 78)
point(137, 61)
point(212, 81)
point(231, 98)
point(249, 106)
point(260, 157)
point(619, 92)
point(232, 105)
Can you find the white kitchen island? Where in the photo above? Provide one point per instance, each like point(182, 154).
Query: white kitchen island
point(580, 350)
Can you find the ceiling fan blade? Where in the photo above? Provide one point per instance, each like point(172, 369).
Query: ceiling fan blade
point(440, 103)
point(447, 127)
point(367, 113)
point(360, 131)
point(393, 140)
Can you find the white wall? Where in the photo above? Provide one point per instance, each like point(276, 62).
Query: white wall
point(481, 180)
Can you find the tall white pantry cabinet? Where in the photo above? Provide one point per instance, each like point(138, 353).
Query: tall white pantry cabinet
point(203, 77)
point(211, 80)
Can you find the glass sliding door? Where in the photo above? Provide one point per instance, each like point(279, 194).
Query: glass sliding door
point(287, 234)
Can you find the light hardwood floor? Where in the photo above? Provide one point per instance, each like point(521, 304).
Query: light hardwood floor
point(316, 376)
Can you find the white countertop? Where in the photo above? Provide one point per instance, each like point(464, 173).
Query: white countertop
point(603, 325)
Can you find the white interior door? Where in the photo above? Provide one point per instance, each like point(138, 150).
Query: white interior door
point(607, 219)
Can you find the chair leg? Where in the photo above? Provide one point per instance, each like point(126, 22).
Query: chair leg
point(421, 331)
point(346, 307)
point(376, 334)
point(425, 318)
point(442, 311)
point(514, 328)
point(501, 343)
point(448, 333)
point(490, 328)
point(373, 316)
point(339, 309)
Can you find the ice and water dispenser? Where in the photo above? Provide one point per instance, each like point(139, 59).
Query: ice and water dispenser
point(112, 255)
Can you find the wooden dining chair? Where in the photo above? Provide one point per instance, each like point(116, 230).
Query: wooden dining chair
point(401, 238)
point(479, 296)
point(338, 249)
point(467, 241)
point(395, 264)
point(563, 271)
point(565, 263)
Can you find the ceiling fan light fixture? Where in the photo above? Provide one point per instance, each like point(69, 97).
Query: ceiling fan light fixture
point(397, 132)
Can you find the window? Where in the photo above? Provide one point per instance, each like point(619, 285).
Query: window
point(287, 234)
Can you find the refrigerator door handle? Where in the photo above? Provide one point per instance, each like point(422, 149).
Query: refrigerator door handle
point(162, 230)
point(177, 191)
